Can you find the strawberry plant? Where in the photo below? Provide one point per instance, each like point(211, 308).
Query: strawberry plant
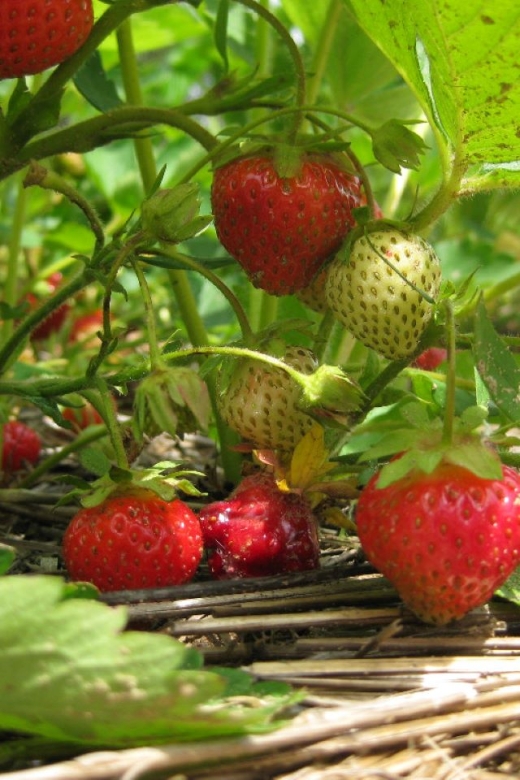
point(268, 221)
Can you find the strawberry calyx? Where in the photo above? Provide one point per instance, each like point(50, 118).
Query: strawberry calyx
point(329, 394)
point(172, 215)
point(421, 446)
point(165, 479)
point(171, 400)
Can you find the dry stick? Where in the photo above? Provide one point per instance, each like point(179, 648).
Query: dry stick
point(405, 717)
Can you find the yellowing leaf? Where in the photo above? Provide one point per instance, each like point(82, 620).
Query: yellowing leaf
point(310, 460)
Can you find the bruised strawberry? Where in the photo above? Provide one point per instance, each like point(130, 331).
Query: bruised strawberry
point(133, 539)
point(282, 228)
point(447, 540)
point(259, 531)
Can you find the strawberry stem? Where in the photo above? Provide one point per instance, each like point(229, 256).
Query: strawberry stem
point(13, 254)
point(232, 299)
point(83, 439)
point(323, 48)
point(39, 176)
point(451, 379)
point(148, 169)
point(112, 424)
point(295, 55)
point(153, 344)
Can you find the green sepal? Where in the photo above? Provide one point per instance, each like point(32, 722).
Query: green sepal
point(396, 146)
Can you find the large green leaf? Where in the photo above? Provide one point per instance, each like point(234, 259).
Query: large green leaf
point(461, 60)
point(69, 673)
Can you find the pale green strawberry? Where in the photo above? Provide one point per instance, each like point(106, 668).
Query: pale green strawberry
point(260, 402)
point(386, 309)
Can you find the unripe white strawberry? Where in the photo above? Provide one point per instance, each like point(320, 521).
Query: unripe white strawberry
point(383, 307)
point(260, 402)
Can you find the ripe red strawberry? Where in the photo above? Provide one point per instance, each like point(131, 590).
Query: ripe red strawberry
point(82, 416)
point(54, 321)
point(381, 308)
point(259, 531)
point(281, 229)
point(86, 326)
point(431, 358)
point(260, 402)
point(36, 34)
point(21, 445)
point(446, 540)
point(133, 539)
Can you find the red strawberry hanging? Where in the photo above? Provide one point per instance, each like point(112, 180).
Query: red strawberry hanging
point(37, 34)
point(282, 227)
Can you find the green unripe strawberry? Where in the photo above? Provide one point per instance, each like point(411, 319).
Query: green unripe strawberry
point(382, 287)
point(260, 402)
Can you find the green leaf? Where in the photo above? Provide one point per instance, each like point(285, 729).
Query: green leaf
point(510, 590)
point(73, 675)
point(7, 556)
point(496, 365)
point(95, 461)
point(461, 61)
point(93, 83)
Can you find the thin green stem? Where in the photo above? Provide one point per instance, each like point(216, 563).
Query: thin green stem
point(39, 176)
point(9, 348)
point(112, 423)
point(58, 386)
point(441, 201)
point(212, 277)
point(13, 257)
point(294, 53)
point(88, 436)
point(451, 376)
point(121, 122)
point(264, 46)
point(155, 352)
point(132, 85)
point(323, 49)
point(146, 158)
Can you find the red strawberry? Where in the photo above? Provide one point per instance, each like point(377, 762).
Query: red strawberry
point(55, 320)
point(259, 531)
point(281, 229)
point(133, 539)
point(20, 445)
point(82, 416)
point(36, 34)
point(431, 358)
point(85, 327)
point(447, 540)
